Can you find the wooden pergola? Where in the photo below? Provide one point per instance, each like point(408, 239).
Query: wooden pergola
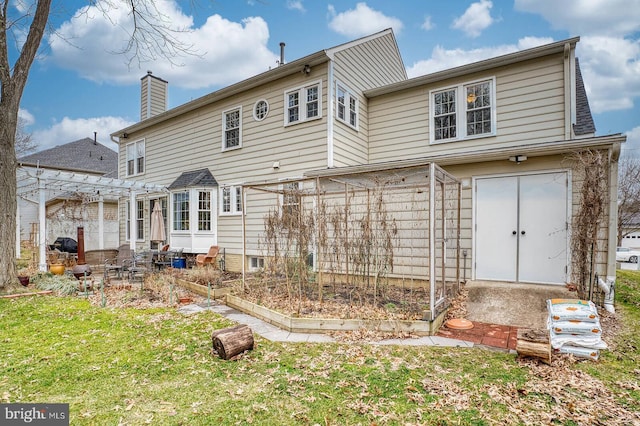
point(36, 184)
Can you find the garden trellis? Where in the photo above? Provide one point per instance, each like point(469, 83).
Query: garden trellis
point(385, 235)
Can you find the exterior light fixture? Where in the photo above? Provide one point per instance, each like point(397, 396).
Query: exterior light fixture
point(518, 158)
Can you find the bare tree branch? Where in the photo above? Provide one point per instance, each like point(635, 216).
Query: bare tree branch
point(24, 141)
point(628, 197)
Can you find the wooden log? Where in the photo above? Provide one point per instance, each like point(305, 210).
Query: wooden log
point(230, 342)
point(534, 343)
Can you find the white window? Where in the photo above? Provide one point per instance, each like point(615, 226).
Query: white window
point(291, 198)
point(204, 211)
point(346, 106)
point(303, 103)
point(135, 158)
point(256, 263)
point(181, 211)
point(199, 212)
point(232, 129)
point(139, 220)
point(260, 110)
point(230, 200)
point(463, 112)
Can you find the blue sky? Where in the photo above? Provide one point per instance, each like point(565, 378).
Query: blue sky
point(78, 84)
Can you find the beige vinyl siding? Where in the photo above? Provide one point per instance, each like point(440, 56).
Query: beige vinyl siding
point(358, 68)
point(529, 109)
point(194, 141)
point(153, 99)
point(535, 164)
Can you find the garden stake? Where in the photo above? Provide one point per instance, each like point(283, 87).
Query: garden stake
point(104, 301)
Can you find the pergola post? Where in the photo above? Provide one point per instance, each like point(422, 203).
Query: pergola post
point(101, 222)
point(42, 225)
point(133, 225)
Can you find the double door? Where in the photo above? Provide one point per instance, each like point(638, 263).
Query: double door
point(521, 228)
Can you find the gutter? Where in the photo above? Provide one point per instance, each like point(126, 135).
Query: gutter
point(226, 92)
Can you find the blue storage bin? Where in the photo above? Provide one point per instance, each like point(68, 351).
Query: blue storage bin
point(180, 262)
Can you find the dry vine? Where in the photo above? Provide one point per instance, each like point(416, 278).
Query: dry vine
point(592, 169)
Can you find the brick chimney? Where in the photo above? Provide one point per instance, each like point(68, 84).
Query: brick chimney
point(153, 96)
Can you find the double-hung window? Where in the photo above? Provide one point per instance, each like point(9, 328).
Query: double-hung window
point(463, 112)
point(232, 129)
point(139, 220)
point(181, 211)
point(230, 200)
point(291, 198)
point(303, 103)
point(204, 211)
point(346, 106)
point(135, 158)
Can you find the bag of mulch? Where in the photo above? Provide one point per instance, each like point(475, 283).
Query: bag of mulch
point(581, 340)
point(572, 310)
point(576, 327)
point(580, 352)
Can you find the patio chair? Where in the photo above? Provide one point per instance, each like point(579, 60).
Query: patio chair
point(164, 257)
point(118, 263)
point(209, 258)
point(140, 265)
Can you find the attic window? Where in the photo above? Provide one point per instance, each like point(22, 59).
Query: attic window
point(260, 110)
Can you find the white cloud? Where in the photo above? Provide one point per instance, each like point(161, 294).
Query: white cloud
point(611, 72)
point(442, 58)
point(227, 51)
point(580, 17)
point(631, 147)
point(26, 117)
point(295, 5)
point(609, 48)
point(69, 130)
point(475, 19)
point(427, 24)
point(361, 21)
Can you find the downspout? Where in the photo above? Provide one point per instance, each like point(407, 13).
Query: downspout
point(608, 287)
point(330, 113)
point(569, 99)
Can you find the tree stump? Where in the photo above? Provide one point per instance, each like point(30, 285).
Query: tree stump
point(534, 343)
point(230, 342)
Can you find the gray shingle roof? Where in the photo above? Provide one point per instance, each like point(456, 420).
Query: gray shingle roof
point(584, 120)
point(201, 177)
point(83, 155)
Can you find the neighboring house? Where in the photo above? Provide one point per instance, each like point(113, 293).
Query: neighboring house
point(66, 211)
point(504, 127)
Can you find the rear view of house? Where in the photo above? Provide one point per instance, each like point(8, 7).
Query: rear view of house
point(506, 131)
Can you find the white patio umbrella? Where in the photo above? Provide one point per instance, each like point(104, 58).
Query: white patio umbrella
point(157, 224)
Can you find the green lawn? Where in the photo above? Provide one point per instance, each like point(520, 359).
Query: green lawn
point(131, 366)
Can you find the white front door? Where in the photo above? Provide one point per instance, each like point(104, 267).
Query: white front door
point(521, 228)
